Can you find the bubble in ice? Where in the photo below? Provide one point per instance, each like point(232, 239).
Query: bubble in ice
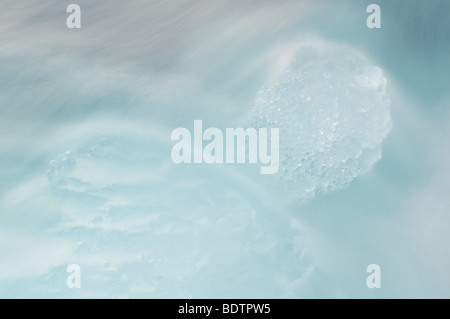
point(332, 109)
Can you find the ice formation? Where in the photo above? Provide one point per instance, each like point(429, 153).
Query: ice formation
point(142, 226)
point(332, 109)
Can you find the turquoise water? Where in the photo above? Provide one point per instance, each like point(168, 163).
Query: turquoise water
point(87, 177)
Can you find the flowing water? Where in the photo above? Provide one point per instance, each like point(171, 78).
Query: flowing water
point(87, 178)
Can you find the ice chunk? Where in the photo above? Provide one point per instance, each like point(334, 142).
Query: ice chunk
point(332, 109)
point(151, 228)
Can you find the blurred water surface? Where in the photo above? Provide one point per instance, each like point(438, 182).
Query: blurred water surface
point(85, 123)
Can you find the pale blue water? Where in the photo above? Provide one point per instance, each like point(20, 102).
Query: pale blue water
point(87, 177)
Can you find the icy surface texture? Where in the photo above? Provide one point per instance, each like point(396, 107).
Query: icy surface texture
point(141, 226)
point(332, 109)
